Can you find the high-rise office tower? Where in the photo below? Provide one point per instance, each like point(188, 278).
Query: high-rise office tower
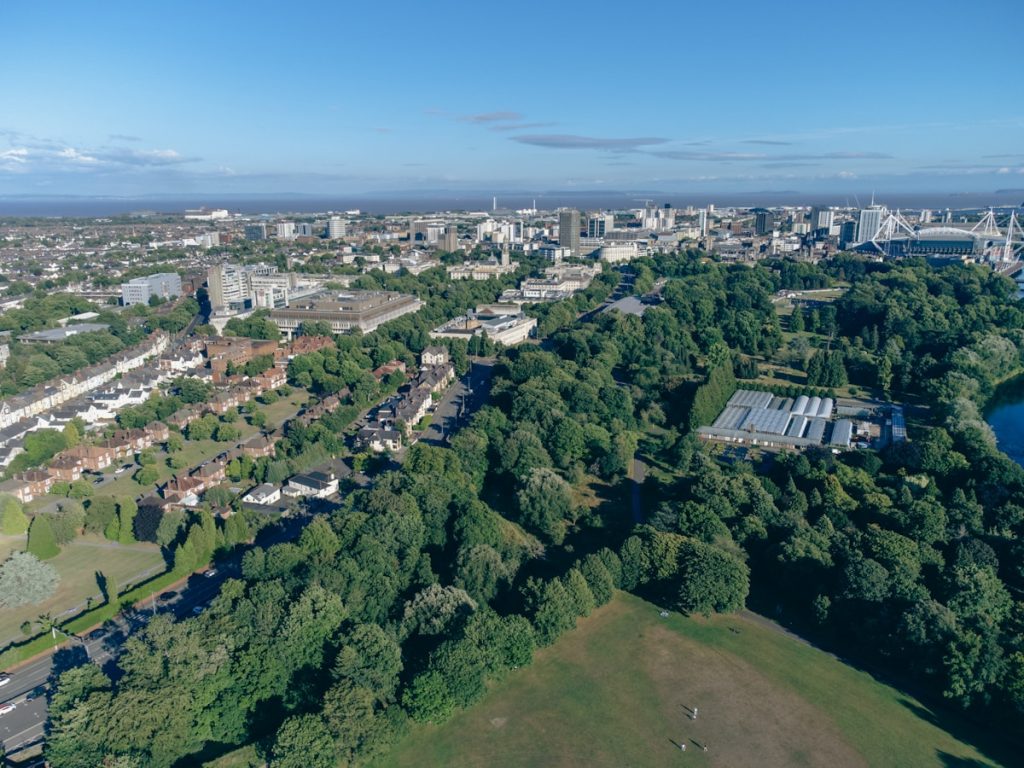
point(569, 232)
point(764, 223)
point(227, 286)
point(255, 231)
point(337, 228)
point(870, 222)
point(702, 222)
point(599, 224)
point(451, 238)
point(821, 219)
point(926, 216)
point(847, 233)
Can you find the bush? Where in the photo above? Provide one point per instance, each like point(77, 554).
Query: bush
point(99, 514)
point(25, 580)
point(42, 542)
point(148, 475)
point(13, 521)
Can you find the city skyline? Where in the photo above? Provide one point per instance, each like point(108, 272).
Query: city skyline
point(250, 100)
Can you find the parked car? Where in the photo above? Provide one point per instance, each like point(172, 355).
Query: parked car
point(38, 692)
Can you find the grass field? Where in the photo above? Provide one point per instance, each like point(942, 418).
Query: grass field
point(77, 564)
point(616, 691)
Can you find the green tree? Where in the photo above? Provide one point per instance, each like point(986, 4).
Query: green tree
point(710, 579)
point(13, 521)
point(41, 540)
point(174, 443)
point(99, 513)
point(126, 511)
point(546, 504)
point(551, 607)
point(303, 741)
point(113, 529)
point(371, 658)
point(148, 475)
point(428, 699)
point(24, 580)
point(433, 610)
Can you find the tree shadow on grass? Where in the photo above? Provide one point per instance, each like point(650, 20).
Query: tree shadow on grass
point(955, 761)
point(997, 751)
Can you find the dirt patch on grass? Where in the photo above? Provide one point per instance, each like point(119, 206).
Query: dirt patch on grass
point(742, 717)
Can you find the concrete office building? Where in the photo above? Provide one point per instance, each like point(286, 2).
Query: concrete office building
point(869, 223)
point(764, 223)
point(346, 311)
point(569, 231)
point(337, 228)
point(165, 285)
point(227, 287)
point(255, 231)
point(821, 219)
point(451, 238)
point(599, 224)
point(847, 233)
point(286, 230)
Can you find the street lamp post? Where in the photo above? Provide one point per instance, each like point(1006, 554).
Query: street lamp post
point(54, 630)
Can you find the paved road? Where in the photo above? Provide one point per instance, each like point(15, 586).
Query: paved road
point(464, 398)
point(638, 473)
point(24, 726)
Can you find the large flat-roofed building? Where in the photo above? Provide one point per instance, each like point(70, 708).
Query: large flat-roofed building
point(558, 283)
point(236, 287)
point(346, 311)
point(483, 270)
point(165, 285)
point(58, 335)
point(507, 327)
point(761, 418)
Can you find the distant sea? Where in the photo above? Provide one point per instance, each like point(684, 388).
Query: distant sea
point(422, 202)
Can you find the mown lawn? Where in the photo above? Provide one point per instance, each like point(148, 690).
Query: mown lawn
point(77, 565)
point(618, 692)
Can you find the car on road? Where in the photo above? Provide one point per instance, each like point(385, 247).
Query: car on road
point(168, 596)
point(38, 692)
point(210, 573)
point(5, 679)
point(6, 707)
point(96, 634)
point(197, 609)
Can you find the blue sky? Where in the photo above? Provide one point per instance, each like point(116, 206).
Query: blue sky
point(256, 97)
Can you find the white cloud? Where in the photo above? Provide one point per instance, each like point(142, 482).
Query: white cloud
point(73, 155)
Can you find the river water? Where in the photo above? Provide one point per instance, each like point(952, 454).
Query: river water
point(1006, 413)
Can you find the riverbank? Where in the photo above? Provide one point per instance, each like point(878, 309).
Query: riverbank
point(1004, 413)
